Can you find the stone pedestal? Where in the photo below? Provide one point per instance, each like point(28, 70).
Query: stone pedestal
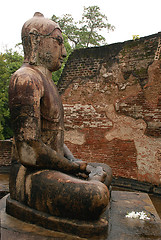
point(119, 227)
point(75, 227)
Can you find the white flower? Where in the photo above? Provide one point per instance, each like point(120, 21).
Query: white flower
point(140, 215)
point(132, 215)
point(143, 216)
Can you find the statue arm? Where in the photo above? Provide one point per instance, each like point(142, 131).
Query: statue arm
point(67, 153)
point(25, 95)
point(36, 154)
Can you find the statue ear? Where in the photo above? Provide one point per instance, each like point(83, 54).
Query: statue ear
point(35, 40)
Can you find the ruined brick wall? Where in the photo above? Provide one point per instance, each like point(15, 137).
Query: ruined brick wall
point(5, 152)
point(112, 103)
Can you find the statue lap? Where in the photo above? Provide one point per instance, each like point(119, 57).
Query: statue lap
point(57, 193)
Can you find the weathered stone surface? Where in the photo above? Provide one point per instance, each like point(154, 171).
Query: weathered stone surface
point(111, 95)
point(45, 177)
point(125, 228)
point(75, 227)
point(15, 229)
point(5, 152)
point(120, 227)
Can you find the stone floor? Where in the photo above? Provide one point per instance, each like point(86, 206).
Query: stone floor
point(120, 227)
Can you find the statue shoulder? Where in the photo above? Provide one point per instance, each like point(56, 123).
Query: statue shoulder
point(26, 79)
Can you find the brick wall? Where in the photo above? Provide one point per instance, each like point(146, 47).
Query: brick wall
point(112, 103)
point(5, 152)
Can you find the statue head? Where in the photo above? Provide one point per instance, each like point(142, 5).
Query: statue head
point(43, 42)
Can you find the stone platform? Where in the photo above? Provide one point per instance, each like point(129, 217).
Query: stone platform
point(120, 227)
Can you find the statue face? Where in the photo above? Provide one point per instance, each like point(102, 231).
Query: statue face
point(52, 51)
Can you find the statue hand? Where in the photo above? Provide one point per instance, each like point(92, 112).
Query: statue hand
point(82, 168)
point(82, 165)
point(83, 173)
point(97, 174)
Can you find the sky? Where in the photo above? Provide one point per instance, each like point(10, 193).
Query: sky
point(137, 17)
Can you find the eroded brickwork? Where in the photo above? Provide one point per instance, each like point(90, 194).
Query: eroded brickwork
point(112, 101)
point(5, 152)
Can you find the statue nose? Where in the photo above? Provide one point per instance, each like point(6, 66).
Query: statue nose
point(64, 52)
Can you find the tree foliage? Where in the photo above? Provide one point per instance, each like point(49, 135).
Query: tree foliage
point(56, 75)
point(135, 37)
point(85, 32)
point(9, 62)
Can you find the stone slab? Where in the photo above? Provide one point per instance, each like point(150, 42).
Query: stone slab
point(120, 227)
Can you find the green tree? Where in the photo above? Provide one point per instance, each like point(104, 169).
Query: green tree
point(68, 26)
point(86, 32)
point(92, 22)
point(135, 37)
point(56, 75)
point(9, 62)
